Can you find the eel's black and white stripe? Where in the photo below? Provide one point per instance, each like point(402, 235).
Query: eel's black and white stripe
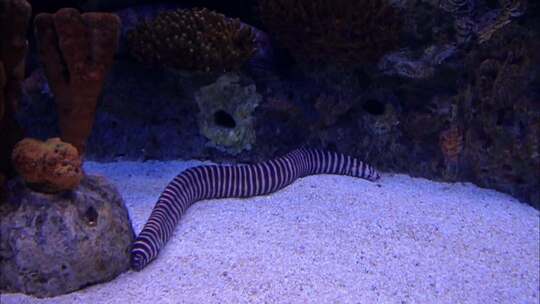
point(219, 181)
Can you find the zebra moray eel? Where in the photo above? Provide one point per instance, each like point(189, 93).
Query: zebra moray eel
point(219, 181)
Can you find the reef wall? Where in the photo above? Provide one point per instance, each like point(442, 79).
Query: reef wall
point(450, 92)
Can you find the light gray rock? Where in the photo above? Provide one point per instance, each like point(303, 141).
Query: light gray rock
point(51, 244)
point(226, 113)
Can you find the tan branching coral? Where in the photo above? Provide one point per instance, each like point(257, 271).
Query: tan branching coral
point(14, 19)
point(50, 166)
point(195, 39)
point(333, 31)
point(77, 50)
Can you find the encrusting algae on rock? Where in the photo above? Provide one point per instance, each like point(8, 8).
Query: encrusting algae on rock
point(51, 166)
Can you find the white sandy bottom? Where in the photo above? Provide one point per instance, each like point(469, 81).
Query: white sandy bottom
point(329, 239)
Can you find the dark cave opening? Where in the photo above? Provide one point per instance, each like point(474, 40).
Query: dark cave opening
point(224, 119)
point(374, 107)
point(91, 216)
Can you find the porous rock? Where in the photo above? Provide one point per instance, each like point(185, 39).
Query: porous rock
point(52, 244)
point(226, 113)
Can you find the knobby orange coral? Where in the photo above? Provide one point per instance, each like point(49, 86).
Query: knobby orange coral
point(195, 39)
point(333, 31)
point(49, 166)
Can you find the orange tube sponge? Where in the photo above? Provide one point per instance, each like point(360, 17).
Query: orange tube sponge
point(77, 51)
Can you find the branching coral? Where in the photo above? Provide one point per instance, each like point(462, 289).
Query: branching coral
point(77, 50)
point(333, 31)
point(196, 39)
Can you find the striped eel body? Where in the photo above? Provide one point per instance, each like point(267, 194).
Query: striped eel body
point(220, 181)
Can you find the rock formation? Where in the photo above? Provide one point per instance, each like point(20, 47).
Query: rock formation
point(52, 244)
point(226, 113)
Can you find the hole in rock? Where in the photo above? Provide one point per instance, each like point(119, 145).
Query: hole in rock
point(374, 107)
point(91, 216)
point(224, 119)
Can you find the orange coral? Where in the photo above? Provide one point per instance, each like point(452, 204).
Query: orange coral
point(49, 166)
point(451, 143)
point(341, 32)
point(77, 50)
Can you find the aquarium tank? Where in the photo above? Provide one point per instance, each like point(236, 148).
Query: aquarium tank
point(270, 151)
